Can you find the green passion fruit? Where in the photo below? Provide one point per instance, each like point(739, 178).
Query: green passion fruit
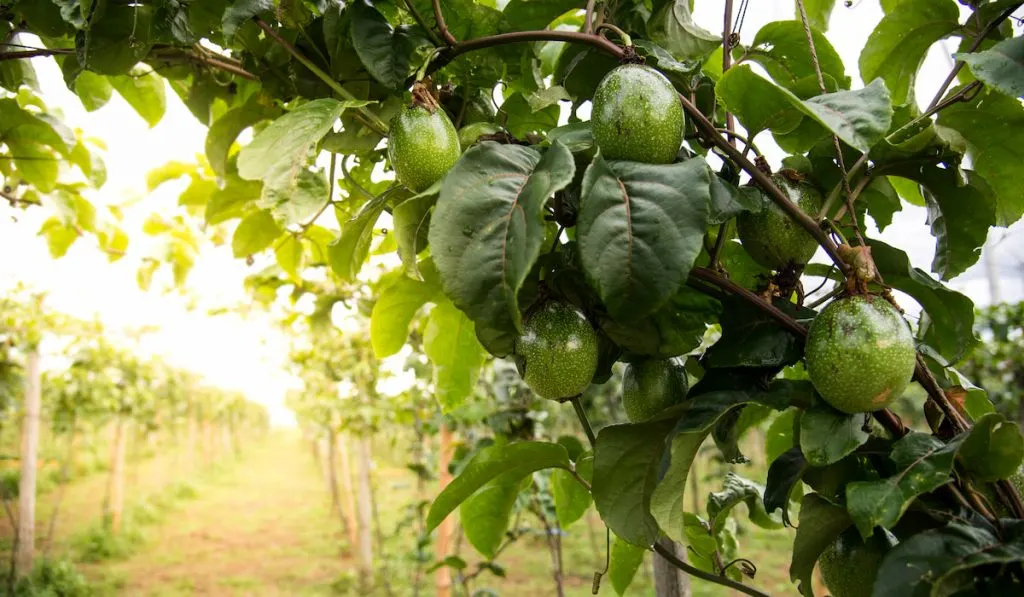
point(557, 351)
point(771, 237)
point(651, 386)
point(860, 354)
point(423, 146)
point(849, 565)
point(637, 116)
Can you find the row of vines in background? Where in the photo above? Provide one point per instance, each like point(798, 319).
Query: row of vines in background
point(78, 400)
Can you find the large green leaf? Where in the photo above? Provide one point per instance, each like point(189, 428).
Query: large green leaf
point(781, 48)
point(938, 561)
point(144, 91)
point(827, 435)
point(735, 491)
point(385, 51)
point(348, 253)
point(625, 560)
point(959, 212)
point(993, 448)
point(295, 200)
point(726, 389)
point(950, 328)
point(521, 458)
point(485, 514)
point(286, 144)
point(673, 29)
point(676, 328)
point(93, 90)
point(572, 499)
point(534, 14)
point(450, 343)
point(1000, 67)
point(626, 463)
point(821, 522)
point(900, 42)
point(667, 501)
point(241, 11)
point(783, 474)
point(254, 233)
point(487, 228)
point(860, 117)
point(394, 309)
point(411, 219)
point(522, 119)
point(35, 163)
point(118, 39)
point(993, 125)
point(923, 462)
point(225, 130)
point(640, 227)
point(752, 339)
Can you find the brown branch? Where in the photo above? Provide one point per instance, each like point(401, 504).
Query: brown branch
point(692, 571)
point(22, 54)
point(442, 26)
point(992, 26)
point(730, 120)
point(588, 19)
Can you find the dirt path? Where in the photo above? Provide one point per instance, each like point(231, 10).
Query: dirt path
point(263, 529)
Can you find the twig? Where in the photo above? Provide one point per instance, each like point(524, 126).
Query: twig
point(730, 120)
point(716, 251)
point(992, 26)
point(588, 19)
point(692, 571)
point(370, 119)
point(835, 138)
point(422, 22)
point(960, 96)
point(442, 26)
point(22, 54)
point(837, 191)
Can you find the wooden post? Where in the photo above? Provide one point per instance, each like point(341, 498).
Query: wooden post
point(29, 457)
point(331, 476)
point(670, 581)
point(116, 490)
point(348, 494)
point(365, 516)
point(443, 576)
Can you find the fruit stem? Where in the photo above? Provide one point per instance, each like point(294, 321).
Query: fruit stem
point(627, 41)
point(584, 421)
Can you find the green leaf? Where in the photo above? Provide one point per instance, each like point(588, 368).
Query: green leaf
point(144, 91)
point(924, 464)
point(783, 474)
point(950, 328)
point(781, 48)
point(708, 403)
point(521, 458)
point(735, 491)
point(898, 45)
point(349, 252)
point(640, 227)
point(411, 219)
point(288, 141)
point(626, 463)
point(752, 339)
point(59, 237)
point(241, 11)
point(450, 343)
point(255, 232)
point(1000, 67)
point(667, 501)
point(289, 257)
point(487, 228)
point(938, 561)
point(231, 201)
point(486, 514)
point(676, 328)
point(993, 449)
point(781, 434)
point(225, 130)
point(35, 163)
point(522, 119)
point(385, 51)
point(993, 125)
point(297, 199)
point(394, 310)
point(118, 39)
point(959, 213)
point(531, 14)
point(672, 28)
point(860, 118)
point(827, 435)
point(818, 13)
point(821, 522)
point(728, 200)
point(626, 559)
point(93, 90)
point(572, 499)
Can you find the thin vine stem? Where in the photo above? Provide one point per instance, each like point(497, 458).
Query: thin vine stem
point(416, 16)
point(588, 19)
point(730, 120)
point(442, 26)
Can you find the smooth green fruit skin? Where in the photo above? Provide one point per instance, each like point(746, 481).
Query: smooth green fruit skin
point(559, 351)
point(860, 354)
point(771, 237)
point(651, 386)
point(637, 116)
point(422, 147)
point(849, 566)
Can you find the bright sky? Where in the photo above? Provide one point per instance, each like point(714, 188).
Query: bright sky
point(248, 354)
